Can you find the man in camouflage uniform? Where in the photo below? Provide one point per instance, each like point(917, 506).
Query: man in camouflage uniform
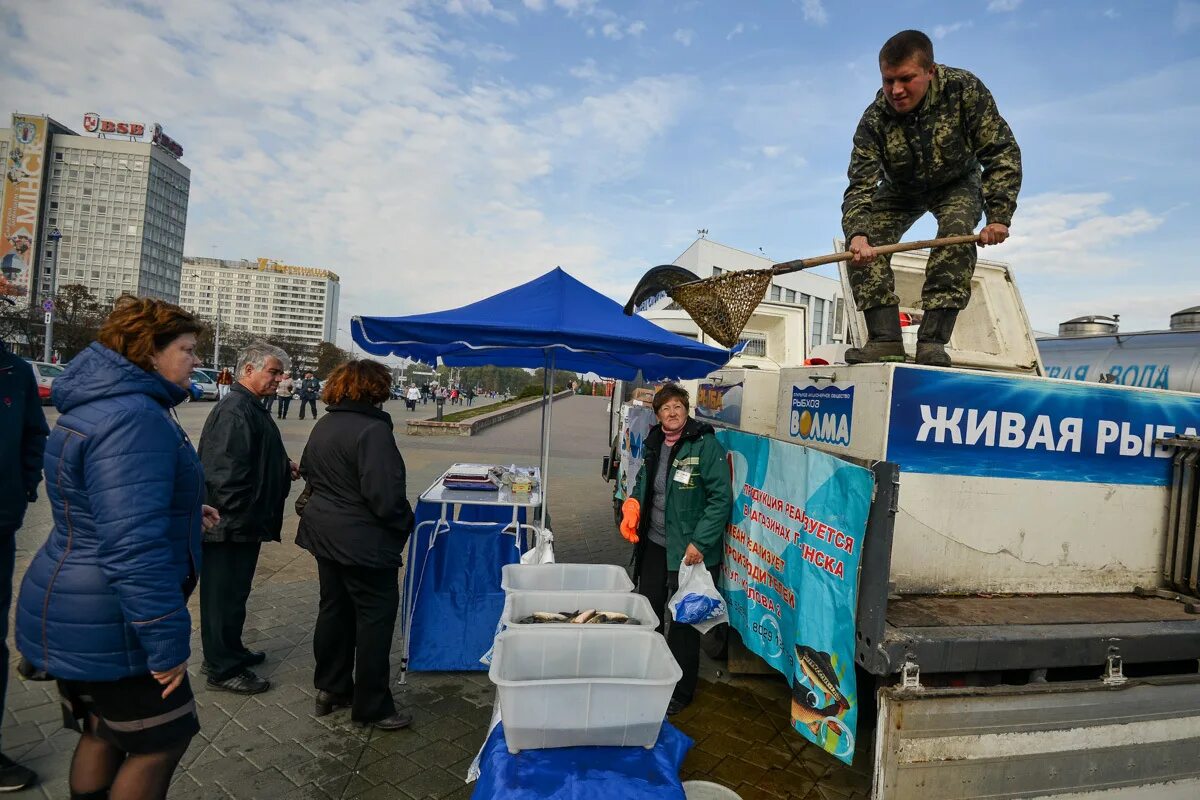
point(932, 141)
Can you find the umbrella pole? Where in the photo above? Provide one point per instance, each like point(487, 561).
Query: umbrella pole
point(547, 416)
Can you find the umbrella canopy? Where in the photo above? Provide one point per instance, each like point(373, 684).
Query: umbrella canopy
point(551, 316)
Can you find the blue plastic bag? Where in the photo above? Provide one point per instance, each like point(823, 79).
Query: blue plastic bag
point(697, 601)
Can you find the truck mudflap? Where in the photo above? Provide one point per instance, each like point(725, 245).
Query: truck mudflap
point(1057, 740)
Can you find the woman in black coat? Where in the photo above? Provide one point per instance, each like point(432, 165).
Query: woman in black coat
point(356, 522)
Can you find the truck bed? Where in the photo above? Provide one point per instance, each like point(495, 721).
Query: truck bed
point(932, 611)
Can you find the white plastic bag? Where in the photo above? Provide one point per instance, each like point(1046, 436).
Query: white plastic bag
point(697, 601)
point(542, 551)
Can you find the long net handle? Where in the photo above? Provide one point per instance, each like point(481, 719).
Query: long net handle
point(887, 249)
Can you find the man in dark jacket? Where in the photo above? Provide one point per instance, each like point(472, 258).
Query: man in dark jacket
point(23, 435)
point(247, 474)
point(310, 390)
point(932, 141)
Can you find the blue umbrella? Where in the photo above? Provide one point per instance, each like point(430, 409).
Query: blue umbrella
point(554, 322)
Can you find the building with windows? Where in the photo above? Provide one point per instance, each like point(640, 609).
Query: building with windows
point(119, 203)
point(821, 297)
point(264, 297)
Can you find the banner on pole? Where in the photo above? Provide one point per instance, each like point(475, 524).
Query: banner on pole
point(790, 575)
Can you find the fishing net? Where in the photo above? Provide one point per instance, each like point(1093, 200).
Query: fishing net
point(722, 306)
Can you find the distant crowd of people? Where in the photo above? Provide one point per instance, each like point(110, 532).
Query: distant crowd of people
point(141, 519)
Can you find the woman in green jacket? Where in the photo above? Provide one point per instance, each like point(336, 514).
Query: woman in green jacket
point(677, 512)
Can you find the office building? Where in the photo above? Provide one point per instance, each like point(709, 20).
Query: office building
point(264, 297)
point(119, 200)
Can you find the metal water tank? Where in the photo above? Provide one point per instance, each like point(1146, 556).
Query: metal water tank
point(1186, 320)
point(1090, 325)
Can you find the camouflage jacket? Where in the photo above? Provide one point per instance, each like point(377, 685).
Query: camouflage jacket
point(955, 132)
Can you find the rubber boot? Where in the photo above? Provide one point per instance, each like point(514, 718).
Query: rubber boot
point(933, 335)
point(883, 337)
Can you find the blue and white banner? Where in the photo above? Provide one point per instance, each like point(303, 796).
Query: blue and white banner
point(953, 423)
point(790, 574)
point(720, 403)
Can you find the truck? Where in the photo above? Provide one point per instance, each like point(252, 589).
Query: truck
point(1028, 604)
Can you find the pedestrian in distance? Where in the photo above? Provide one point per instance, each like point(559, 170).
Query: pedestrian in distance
point(933, 140)
point(224, 381)
point(413, 395)
point(470, 395)
point(287, 387)
point(677, 512)
point(248, 475)
point(310, 390)
point(23, 435)
point(268, 401)
point(103, 606)
point(356, 523)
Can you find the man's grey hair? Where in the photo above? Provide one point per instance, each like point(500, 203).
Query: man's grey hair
point(256, 355)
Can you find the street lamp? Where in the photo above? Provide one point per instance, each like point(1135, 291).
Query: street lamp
point(348, 333)
point(217, 327)
point(54, 236)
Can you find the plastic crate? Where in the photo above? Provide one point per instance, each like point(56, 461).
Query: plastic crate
point(566, 688)
point(518, 605)
point(565, 577)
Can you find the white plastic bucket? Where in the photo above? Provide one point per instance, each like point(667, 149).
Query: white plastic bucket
point(518, 605)
point(705, 790)
point(565, 578)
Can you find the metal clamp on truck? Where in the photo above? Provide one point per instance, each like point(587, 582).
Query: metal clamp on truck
point(1028, 591)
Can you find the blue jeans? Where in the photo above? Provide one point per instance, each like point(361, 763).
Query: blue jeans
point(8, 557)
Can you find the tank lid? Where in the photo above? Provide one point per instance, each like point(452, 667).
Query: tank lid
point(1186, 320)
point(1089, 325)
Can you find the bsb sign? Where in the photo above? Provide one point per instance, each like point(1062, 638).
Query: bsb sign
point(92, 123)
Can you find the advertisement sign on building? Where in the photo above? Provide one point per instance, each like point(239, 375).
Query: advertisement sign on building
point(22, 204)
point(93, 123)
point(790, 575)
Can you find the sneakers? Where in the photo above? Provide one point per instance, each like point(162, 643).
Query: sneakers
point(244, 682)
point(328, 702)
point(14, 777)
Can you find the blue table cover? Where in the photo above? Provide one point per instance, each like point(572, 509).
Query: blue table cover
point(583, 773)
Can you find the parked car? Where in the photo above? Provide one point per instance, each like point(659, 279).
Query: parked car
point(206, 379)
point(45, 374)
point(195, 392)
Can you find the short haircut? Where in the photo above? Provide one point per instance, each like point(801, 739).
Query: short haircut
point(671, 391)
point(139, 327)
point(256, 354)
point(905, 45)
point(362, 380)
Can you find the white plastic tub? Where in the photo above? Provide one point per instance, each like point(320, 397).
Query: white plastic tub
point(518, 605)
point(566, 688)
point(706, 790)
point(565, 577)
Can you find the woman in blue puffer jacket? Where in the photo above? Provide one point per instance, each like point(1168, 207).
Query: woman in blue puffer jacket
point(103, 606)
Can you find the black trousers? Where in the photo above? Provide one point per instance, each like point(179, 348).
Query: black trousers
point(268, 401)
point(284, 402)
point(225, 578)
point(312, 402)
point(352, 642)
point(657, 583)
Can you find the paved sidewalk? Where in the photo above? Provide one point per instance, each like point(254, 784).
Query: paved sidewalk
point(271, 746)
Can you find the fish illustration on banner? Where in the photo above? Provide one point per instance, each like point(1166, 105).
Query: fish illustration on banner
point(790, 574)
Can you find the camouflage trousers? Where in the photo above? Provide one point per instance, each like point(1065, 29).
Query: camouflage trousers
point(957, 208)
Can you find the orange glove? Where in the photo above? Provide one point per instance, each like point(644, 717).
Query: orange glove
point(631, 515)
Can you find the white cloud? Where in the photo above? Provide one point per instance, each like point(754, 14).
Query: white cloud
point(1073, 234)
point(1187, 16)
point(737, 30)
point(345, 137)
point(684, 36)
point(636, 28)
point(814, 12)
point(535, 5)
point(612, 30)
point(773, 150)
point(942, 31)
point(589, 71)
point(1001, 6)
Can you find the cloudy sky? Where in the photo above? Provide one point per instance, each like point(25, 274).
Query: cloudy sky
point(434, 152)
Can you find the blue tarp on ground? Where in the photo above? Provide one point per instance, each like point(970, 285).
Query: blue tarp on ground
point(520, 327)
point(583, 773)
point(452, 588)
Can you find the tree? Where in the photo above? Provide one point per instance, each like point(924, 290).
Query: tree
point(78, 316)
point(329, 357)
